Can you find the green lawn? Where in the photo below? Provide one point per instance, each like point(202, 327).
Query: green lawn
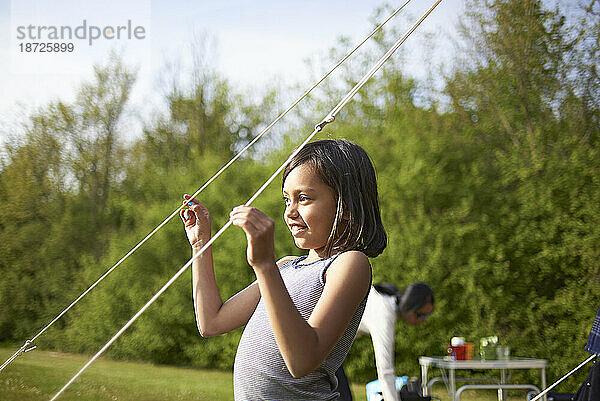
point(38, 375)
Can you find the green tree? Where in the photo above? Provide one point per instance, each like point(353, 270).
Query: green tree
point(33, 246)
point(91, 132)
point(518, 98)
point(55, 200)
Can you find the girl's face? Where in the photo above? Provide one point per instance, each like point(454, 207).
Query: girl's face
point(310, 210)
point(415, 318)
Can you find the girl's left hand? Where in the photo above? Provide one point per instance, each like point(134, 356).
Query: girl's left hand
point(259, 229)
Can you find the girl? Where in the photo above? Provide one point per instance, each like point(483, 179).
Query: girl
point(301, 314)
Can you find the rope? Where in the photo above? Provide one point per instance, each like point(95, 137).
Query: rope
point(537, 397)
point(18, 353)
point(328, 119)
point(381, 61)
point(214, 177)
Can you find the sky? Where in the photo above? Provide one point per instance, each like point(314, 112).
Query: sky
point(251, 43)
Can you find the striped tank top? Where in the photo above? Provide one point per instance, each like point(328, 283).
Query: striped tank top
point(259, 371)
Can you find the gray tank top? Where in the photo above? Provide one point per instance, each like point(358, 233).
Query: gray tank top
point(259, 371)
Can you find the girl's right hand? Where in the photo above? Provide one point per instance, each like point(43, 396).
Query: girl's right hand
point(196, 221)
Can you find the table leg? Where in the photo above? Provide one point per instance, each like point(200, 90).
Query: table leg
point(424, 379)
point(452, 385)
point(543, 374)
point(502, 381)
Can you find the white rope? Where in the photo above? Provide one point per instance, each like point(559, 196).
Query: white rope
point(214, 177)
point(537, 397)
point(18, 352)
point(378, 65)
point(330, 118)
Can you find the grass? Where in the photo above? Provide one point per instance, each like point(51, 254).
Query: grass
point(38, 375)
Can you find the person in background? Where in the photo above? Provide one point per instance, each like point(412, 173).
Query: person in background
point(385, 305)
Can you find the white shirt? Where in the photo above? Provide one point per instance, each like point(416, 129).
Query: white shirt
point(379, 320)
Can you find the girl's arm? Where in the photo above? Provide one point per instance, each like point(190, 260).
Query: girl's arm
point(213, 316)
point(303, 344)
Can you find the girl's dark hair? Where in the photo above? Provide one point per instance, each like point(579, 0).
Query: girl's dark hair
point(347, 169)
point(413, 298)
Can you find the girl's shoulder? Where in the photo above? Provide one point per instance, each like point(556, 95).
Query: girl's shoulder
point(349, 276)
point(353, 257)
point(351, 263)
